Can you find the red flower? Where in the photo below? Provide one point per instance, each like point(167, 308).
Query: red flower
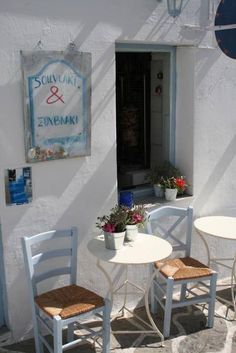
point(108, 227)
point(180, 183)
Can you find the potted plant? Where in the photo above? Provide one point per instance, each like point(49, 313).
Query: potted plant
point(113, 226)
point(136, 217)
point(173, 186)
point(154, 177)
point(158, 172)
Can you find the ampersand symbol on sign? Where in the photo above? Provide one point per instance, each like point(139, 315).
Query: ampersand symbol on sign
point(54, 90)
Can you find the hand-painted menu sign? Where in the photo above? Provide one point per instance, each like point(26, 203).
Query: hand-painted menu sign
point(58, 104)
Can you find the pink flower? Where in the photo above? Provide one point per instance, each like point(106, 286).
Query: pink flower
point(137, 218)
point(108, 227)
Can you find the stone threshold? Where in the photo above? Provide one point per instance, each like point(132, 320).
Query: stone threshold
point(5, 336)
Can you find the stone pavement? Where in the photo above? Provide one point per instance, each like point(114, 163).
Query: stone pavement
point(188, 334)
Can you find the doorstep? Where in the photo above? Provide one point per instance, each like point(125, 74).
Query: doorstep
point(5, 336)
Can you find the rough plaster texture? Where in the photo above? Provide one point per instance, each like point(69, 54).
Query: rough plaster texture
point(76, 191)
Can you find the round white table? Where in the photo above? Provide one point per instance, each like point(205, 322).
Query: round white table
point(217, 226)
point(145, 250)
point(225, 228)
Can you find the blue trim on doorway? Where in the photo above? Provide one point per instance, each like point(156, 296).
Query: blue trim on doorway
point(147, 47)
point(173, 79)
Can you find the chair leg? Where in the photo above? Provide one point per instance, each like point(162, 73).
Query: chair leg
point(38, 342)
point(211, 306)
point(183, 291)
point(156, 292)
point(70, 332)
point(57, 334)
point(106, 327)
point(168, 307)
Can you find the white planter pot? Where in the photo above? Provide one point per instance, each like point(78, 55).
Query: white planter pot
point(114, 241)
point(170, 194)
point(158, 191)
point(131, 232)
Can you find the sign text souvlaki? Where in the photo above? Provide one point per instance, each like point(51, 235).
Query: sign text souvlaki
point(42, 80)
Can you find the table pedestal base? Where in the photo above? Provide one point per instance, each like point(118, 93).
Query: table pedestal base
point(232, 268)
point(152, 328)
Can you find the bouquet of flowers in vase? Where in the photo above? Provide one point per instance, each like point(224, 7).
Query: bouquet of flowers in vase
point(115, 221)
point(136, 215)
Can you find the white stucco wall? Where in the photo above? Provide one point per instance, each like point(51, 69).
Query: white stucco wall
point(76, 191)
point(205, 137)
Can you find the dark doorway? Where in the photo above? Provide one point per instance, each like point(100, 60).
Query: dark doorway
point(133, 116)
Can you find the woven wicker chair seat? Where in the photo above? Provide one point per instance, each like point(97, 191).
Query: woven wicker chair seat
point(68, 301)
point(183, 268)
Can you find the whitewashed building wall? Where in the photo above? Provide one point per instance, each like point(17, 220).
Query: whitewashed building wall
point(75, 191)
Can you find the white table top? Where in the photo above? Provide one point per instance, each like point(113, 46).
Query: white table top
point(146, 249)
point(217, 226)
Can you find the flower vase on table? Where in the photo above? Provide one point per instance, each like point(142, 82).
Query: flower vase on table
point(131, 232)
point(135, 218)
point(113, 226)
point(114, 241)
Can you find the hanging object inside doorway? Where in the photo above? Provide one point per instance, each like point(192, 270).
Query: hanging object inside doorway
point(158, 90)
point(160, 75)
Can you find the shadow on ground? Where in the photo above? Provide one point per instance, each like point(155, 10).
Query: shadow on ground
point(188, 333)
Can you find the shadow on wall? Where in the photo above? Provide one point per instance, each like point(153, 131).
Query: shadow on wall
point(79, 202)
point(217, 173)
point(70, 212)
point(90, 13)
point(193, 33)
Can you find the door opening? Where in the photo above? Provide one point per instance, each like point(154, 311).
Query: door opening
point(143, 114)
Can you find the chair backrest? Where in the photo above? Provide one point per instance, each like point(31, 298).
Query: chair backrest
point(40, 248)
point(173, 224)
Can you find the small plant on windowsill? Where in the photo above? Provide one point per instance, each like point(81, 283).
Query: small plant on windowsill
point(173, 186)
point(155, 176)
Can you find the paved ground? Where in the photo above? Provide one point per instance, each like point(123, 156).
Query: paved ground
point(188, 334)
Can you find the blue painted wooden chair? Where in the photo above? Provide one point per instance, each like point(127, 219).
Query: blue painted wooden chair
point(175, 225)
point(69, 306)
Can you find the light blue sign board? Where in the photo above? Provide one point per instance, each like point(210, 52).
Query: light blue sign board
point(57, 90)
